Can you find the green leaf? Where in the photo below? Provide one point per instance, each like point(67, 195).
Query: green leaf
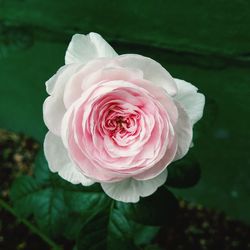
point(109, 230)
point(45, 203)
point(157, 209)
point(85, 200)
point(184, 173)
point(54, 202)
point(112, 229)
point(51, 210)
point(42, 173)
point(73, 225)
point(82, 204)
point(24, 194)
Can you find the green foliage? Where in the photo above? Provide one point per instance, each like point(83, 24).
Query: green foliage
point(23, 192)
point(46, 203)
point(54, 202)
point(108, 230)
point(112, 230)
point(87, 214)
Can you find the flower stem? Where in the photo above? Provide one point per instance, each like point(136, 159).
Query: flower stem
point(31, 227)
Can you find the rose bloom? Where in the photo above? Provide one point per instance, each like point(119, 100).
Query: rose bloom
point(118, 120)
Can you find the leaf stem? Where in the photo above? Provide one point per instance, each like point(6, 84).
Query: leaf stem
point(31, 227)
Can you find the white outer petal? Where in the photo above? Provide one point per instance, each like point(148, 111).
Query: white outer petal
point(152, 71)
point(83, 48)
point(57, 82)
point(53, 111)
point(59, 161)
point(184, 133)
point(191, 101)
point(53, 106)
point(130, 190)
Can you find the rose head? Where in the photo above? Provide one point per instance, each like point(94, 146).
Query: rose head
point(119, 120)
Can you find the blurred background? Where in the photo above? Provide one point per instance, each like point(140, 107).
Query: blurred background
point(204, 42)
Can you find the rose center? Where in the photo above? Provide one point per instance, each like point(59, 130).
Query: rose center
point(119, 124)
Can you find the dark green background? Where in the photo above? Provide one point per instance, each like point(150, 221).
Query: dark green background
point(204, 42)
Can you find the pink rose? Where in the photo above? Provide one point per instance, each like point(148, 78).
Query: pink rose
point(116, 120)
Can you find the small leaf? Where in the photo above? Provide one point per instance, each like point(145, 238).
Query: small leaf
point(23, 193)
point(51, 210)
point(156, 210)
point(183, 173)
point(108, 230)
point(82, 204)
point(85, 200)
